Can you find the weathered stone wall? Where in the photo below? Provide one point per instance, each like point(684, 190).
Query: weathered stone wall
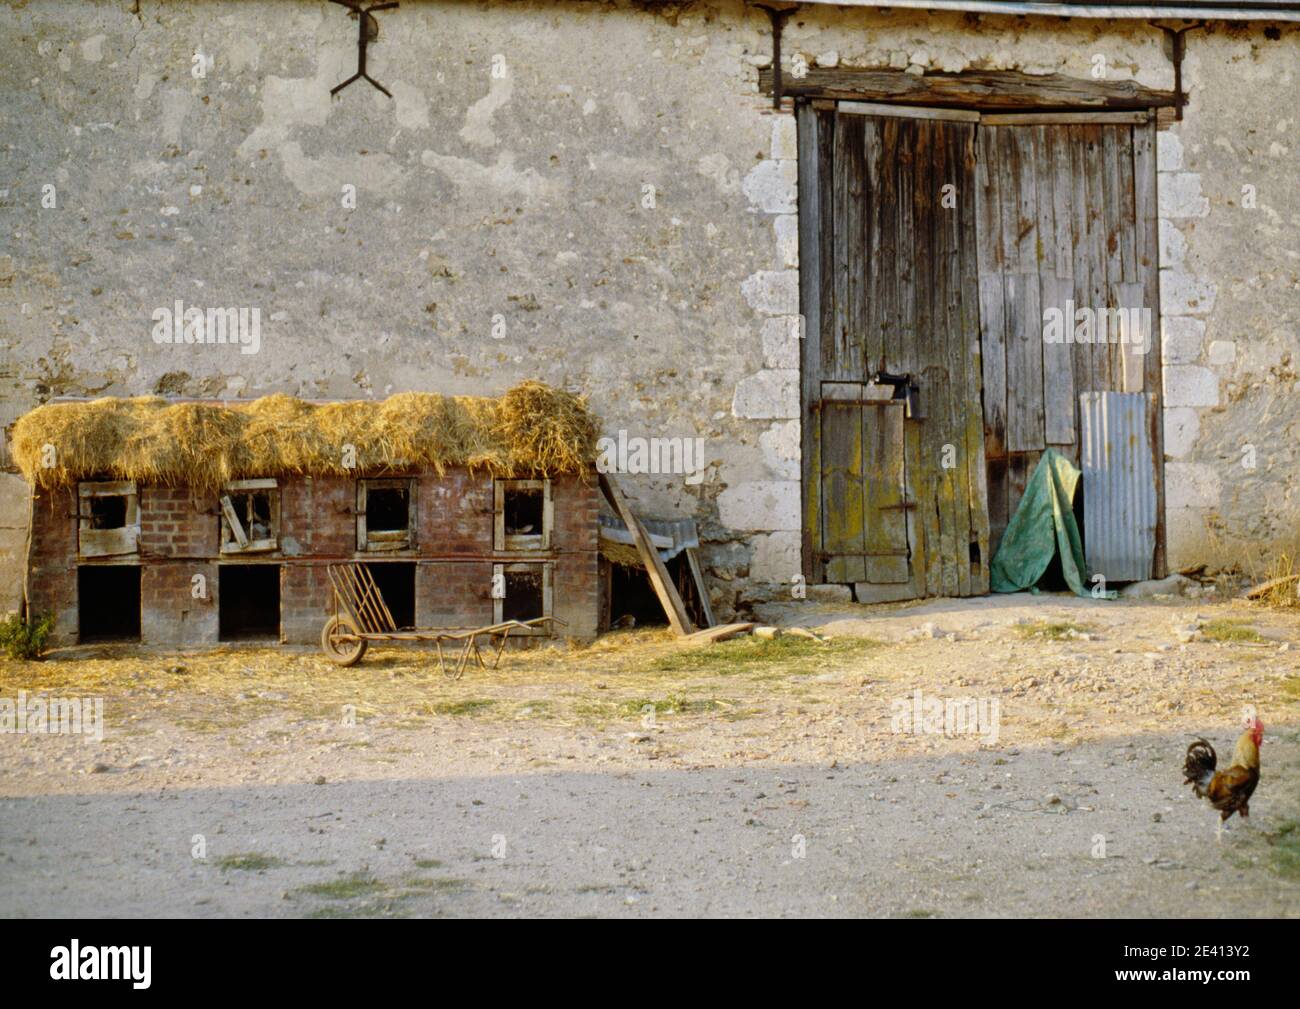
point(612, 211)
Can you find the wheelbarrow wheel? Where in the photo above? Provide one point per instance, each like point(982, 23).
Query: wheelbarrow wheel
point(338, 650)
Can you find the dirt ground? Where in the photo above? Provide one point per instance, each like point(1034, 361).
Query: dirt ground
point(637, 778)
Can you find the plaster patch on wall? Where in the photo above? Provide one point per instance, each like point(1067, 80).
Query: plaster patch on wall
point(780, 338)
point(375, 172)
point(291, 102)
point(144, 86)
point(768, 395)
point(478, 117)
point(770, 186)
point(781, 449)
point(1180, 195)
point(1182, 428)
point(470, 177)
point(787, 240)
point(776, 558)
point(785, 139)
point(1190, 385)
point(762, 505)
point(772, 292)
point(1182, 338)
point(411, 106)
point(629, 112)
point(1192, 485)
point(92, 50)
point(176, 105)
point(717, 167)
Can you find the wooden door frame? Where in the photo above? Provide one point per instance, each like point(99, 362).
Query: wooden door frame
point(816, 224)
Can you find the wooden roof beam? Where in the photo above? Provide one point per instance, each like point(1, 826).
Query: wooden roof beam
point(981, 89)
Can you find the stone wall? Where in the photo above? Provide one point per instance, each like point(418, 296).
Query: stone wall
point(590, 194)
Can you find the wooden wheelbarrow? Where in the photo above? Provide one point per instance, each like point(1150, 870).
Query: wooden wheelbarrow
point(361, 616)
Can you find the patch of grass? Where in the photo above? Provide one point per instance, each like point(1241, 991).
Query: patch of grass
point(425, 884)
point(247, 861)
point(674, 704)
point(1052, 630)
point(25, 639)
point(750, 654)
point(358, 884)
point(598, 711)
point(469, 706)
point(1285, 854)
point(428, 863)
point(1291, 688)
point(739, 714)
point(361, 895)
point(1286, 594)
point(1229, 629)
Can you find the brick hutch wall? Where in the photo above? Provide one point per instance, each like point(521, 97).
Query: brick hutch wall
point(454, 556)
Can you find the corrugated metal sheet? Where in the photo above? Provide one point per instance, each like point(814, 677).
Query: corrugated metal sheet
point(1119, 486)
point(682, 532)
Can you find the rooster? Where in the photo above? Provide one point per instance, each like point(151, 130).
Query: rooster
point(1228, 791)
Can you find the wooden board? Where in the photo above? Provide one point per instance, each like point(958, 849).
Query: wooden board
point(971, 392)
point(983, 89)
point(1146, 255)
point(885, 535)
point(236, 526)
point(908, 111)
point(844, 515)
point(112, 542)
point(722, 632)
point(1059, 422)
point(1021, 294)
point(1061, 118)
point(701, 587)
point(660, 580)
point(815, 231)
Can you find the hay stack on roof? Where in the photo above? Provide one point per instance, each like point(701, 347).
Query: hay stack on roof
point(533, 428)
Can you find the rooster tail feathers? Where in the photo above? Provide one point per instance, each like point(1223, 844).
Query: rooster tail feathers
point(1199, 766)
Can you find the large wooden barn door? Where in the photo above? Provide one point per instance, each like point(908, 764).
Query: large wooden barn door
point(1067, 221)
point(893, 430)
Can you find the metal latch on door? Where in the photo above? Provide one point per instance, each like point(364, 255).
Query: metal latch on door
point(904, 389)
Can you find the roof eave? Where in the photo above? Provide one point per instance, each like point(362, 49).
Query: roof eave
point(1192, 10)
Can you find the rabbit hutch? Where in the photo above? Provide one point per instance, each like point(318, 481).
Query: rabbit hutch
point(191, 523)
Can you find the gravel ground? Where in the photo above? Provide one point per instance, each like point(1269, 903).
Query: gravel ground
point(769, 780)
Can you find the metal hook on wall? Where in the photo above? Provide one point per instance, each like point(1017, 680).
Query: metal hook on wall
point(778, 16)
point(368, 31)
point(1177, 49)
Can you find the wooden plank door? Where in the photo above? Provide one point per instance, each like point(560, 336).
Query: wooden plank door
point(895, 498)
point(864, 478)
point(1066, 224)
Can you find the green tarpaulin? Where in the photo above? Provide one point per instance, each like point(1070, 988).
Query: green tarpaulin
point(1042, 527)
